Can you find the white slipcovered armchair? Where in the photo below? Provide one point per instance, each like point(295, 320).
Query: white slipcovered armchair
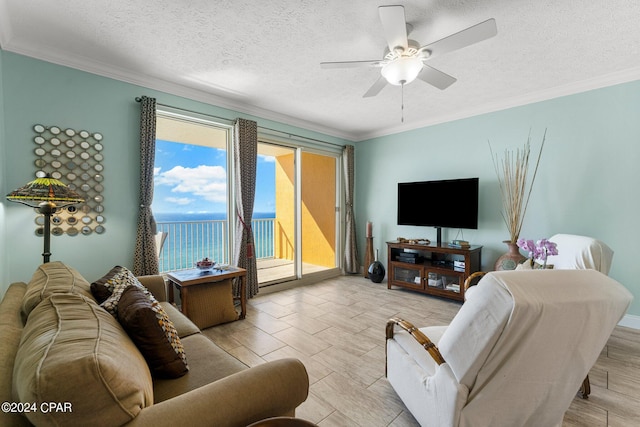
point(574, 253)
point(580, 252)
point(515, 353)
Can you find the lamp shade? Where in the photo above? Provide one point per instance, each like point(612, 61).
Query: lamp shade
point(402, 70)
point(46, 189)
point(47, 194)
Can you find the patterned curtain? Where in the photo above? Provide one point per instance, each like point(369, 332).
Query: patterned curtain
point(146, 258)
point(351, 264)
point(245, 157)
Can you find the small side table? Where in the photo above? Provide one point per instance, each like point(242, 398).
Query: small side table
point(199, 288)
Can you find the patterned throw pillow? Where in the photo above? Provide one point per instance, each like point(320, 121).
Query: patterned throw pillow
point(152, 331)
point(103, 287)
point(118, 282)
point(144, 319)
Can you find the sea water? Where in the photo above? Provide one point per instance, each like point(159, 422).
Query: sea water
point(193, 236)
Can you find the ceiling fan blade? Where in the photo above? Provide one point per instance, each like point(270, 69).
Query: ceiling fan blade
point(436, 77)
point(376, 88)
point(351, 64)
point(394, 25)
point(477, 33)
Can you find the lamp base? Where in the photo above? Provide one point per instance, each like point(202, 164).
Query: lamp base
point(47, 208)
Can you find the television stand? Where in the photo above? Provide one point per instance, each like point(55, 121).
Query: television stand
point(433, 269)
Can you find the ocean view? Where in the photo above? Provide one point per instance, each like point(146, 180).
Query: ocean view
point(193, 236)
point(202, 216)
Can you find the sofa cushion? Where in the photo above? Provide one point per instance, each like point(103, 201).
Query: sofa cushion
point(74, 351)
point(153, 333)
point(207, 363)
point(10, 333)
point(52, 278)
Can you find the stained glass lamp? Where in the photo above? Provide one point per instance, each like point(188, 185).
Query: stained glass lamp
point(45, 194)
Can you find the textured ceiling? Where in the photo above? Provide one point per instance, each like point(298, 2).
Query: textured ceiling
point(262, 57)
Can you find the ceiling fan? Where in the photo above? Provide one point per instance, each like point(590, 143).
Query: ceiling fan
point(405, 60)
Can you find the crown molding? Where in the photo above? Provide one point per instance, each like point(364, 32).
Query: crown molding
point(107, 70)
point(612, 79)
point(201, 95)
point(5, 25)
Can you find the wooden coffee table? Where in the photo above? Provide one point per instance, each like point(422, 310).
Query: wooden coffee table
point(203, 285)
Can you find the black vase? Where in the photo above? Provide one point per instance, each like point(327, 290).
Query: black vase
point(376, 270)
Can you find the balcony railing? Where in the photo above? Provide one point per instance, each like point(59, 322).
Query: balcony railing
point(189, 241)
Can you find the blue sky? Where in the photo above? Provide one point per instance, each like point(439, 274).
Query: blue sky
point(193, 179)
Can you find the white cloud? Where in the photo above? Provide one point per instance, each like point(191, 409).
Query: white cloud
point(179, 200)
point(208, 182)
point(266, 159)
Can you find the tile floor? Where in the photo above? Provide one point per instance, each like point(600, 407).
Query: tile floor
point(336, 328)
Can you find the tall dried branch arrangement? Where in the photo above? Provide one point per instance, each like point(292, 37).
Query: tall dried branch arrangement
point(515, 188)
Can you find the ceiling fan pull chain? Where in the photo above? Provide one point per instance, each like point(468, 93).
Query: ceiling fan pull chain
point(402, 103)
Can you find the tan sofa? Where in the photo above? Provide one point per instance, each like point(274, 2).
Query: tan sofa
point(64, 360)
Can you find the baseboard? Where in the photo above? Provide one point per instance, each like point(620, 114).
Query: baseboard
point(630, 321)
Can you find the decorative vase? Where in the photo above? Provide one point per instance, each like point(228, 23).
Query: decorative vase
point(376, 270)
point(368, 256)
point(511, 259)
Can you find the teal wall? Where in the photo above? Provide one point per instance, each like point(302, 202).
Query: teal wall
point(4, 271)
point(39, 92)
point(587, 181)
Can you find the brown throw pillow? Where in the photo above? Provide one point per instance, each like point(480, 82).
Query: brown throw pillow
point(103, 287)
point(120, 281)
point(152, 331)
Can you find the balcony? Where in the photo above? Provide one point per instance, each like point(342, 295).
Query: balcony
point(189, 241)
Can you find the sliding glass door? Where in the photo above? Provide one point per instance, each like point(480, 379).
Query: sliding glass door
point(303, 186)
point(274, 214)
point(318, 212)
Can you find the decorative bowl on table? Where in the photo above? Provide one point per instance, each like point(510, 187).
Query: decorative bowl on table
point(205, 264)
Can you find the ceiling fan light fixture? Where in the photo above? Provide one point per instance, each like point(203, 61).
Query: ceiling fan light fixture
point(424, 53)
point(402, 70)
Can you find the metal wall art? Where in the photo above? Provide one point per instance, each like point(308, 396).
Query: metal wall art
point(75, 158)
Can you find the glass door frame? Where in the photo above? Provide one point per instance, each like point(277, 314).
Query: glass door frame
point(293, 151)
point(330, 150)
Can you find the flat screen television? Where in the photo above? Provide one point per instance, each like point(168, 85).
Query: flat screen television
point(451, 203)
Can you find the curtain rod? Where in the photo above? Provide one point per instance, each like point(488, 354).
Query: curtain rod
point(288, 134)
point(300, 137)
point(139, 99)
